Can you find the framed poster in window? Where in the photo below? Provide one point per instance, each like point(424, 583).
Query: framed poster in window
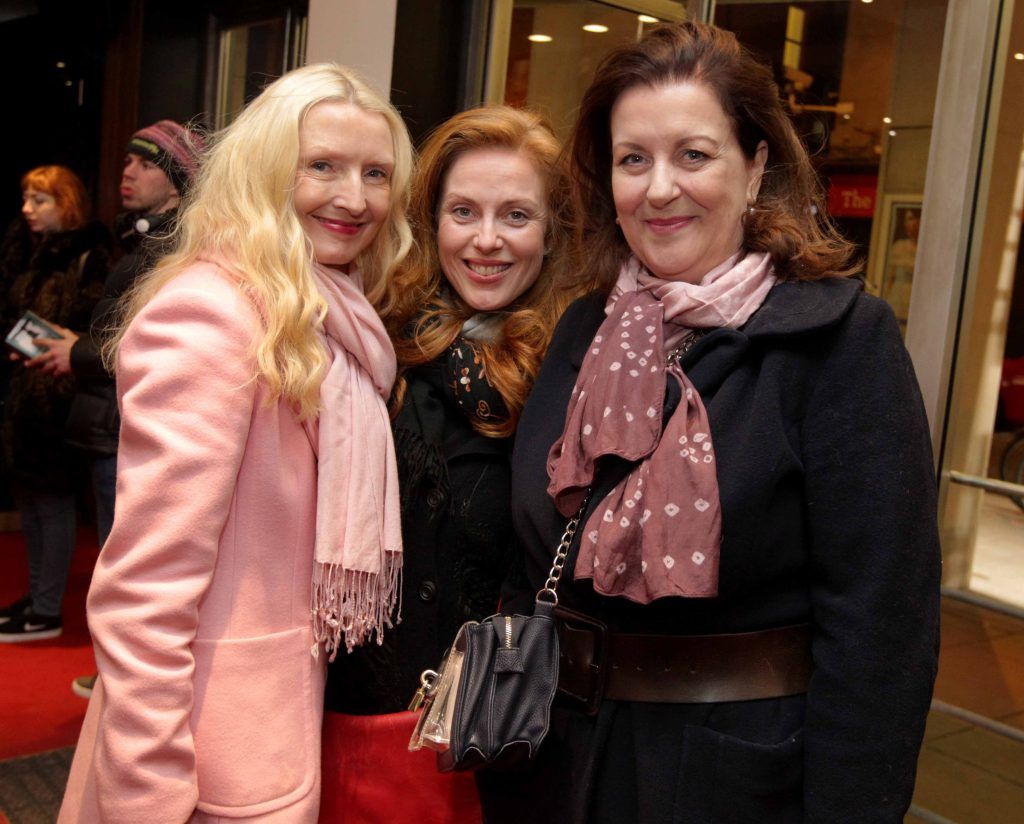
point(893, 259)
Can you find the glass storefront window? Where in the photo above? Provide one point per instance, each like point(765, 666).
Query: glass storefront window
point(859, 79)
point(555, 45)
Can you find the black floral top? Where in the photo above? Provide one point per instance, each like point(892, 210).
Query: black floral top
point(457, 533)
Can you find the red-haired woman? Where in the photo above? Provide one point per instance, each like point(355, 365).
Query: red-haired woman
point(53, 263)
point(471, 317)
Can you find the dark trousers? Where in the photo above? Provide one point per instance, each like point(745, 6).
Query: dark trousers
point(48, 524)
point(104, 484)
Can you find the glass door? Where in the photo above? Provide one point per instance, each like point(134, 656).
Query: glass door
point(252, 52)
point(982, 503)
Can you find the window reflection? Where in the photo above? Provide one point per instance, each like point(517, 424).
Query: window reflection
point(554, 48)
point(859, 80)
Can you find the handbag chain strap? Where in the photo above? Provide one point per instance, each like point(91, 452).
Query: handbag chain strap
point(551, 584)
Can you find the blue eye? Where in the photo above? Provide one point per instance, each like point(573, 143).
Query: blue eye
point(320, 166)
point(462, 212)
point(377, 174)
point(517, 216)
point(694, 156)
point(631, 159)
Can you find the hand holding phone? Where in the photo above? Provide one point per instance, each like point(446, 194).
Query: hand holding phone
point(23, 335)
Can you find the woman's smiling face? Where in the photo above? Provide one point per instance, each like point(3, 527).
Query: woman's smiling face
point(680, 180)
point(491, 224)
point(343, 185)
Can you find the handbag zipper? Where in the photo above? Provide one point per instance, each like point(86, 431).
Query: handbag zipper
point(508, 632)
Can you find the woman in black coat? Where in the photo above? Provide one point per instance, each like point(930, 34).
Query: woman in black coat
point(754, 585)
point(55, 270)
point(471, 317)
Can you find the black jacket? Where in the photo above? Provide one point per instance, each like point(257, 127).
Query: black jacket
point(829, 517)
point(457, 537)
point(93, 422)
point(60, 278)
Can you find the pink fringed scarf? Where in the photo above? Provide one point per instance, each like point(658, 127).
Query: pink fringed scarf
point(658, 532)
point(357, 575)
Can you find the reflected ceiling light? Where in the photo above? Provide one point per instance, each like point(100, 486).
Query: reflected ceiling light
point(540, 38)
point(646, 18)
point(1019, 56)
point(67, 82)
point(887, 120)
point(867, 1)
point(892, 133)
point(61, 64)
point(846, 117)
point(596, 28)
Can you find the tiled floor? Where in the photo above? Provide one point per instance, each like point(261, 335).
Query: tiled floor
point(968, 774)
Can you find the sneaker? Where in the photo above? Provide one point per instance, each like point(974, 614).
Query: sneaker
point(29, 627)
point(82, 685)
point(19, 607)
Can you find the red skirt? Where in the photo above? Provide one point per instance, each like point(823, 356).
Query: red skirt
point(370, 776)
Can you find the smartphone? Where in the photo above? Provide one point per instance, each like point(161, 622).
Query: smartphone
point(23, 335)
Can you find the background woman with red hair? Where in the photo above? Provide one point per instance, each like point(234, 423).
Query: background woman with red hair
point(52, 263)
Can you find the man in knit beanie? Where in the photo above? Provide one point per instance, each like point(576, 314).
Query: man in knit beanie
point(160, 162)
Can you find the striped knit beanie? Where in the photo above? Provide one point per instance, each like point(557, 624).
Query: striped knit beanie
point(173, 148)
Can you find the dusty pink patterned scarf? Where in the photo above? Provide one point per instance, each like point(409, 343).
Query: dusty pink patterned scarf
point(357, 575)
point(658, 532)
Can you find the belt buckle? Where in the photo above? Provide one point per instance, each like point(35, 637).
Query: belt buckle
point(574, 630)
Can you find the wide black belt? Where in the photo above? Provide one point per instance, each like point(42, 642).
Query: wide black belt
point(597, 663)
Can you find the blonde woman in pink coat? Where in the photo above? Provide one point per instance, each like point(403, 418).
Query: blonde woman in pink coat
point(257, 522)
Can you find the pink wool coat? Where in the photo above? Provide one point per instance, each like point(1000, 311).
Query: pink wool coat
point(209, 702)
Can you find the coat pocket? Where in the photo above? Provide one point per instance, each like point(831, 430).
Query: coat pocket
point(728, 780)
point(253, 722)
point(758, 782)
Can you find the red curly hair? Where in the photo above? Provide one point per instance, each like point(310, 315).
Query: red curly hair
point(423, 326)
point(66, 188)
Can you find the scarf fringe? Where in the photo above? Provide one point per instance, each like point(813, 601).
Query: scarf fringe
point(352, 606)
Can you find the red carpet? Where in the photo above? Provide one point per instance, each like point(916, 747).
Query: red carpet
point(38, 711)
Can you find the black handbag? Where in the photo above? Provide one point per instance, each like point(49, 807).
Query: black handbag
point(489, 704)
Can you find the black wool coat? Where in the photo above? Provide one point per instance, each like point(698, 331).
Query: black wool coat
point(93, 422)
point(457, 547)
point(829, 518)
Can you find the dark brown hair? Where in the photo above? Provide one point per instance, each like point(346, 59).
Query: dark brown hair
point(421, 323)
point(789, 219)
point(66, 188)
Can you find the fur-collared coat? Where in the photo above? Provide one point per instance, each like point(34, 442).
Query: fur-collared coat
point(58, 276)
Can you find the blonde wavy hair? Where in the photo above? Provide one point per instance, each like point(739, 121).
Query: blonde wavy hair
point(424, 318)
point(241, 208)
